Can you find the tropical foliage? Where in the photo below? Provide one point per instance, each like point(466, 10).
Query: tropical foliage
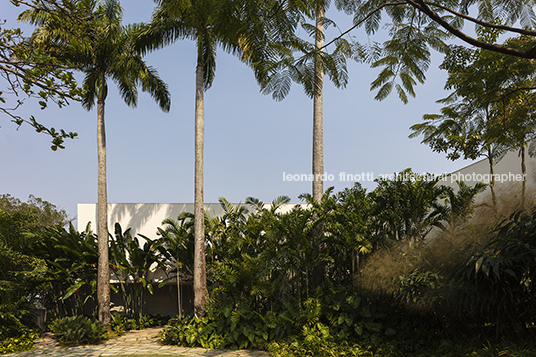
point(376, 285)
point(498, 284)
point(22, 274)
point(415, 28)
point(71, 258)
point(131, 265)
point(48, 266)
point(346, 273)
point(262, 266)
point(403, 205)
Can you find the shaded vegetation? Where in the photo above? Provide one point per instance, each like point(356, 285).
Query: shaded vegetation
point(406, 296)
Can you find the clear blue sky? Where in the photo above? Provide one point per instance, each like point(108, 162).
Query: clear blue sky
point(250, 139)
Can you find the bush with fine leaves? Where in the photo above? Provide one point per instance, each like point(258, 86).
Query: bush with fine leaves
point(78, 330)
point(498, 282)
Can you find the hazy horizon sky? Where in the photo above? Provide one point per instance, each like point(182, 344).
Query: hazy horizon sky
point(251, 141)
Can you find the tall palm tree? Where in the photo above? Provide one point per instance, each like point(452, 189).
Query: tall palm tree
point(238, 27)
point(307, 63)
point(101, 48)
point(318, 111)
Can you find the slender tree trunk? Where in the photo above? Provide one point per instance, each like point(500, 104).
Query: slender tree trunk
point(318, 132)
point(103, 278)
point(200, 278)
point(524, 172)
point(318, 271)
point(492, 181)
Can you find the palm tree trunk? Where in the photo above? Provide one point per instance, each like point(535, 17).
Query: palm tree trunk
point(318, 134)
point(103, 279)
point(492, 181)
point(200, 279)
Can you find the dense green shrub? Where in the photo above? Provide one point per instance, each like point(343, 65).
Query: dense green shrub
point(342, 317)
point(271, 274)
point(120, 323)
point(419, 287)
point(402, 206)
point(13, 324)
point(190, 331)
point(21, 275)
point(77, 330)
point(71, 258)
point(234, 328)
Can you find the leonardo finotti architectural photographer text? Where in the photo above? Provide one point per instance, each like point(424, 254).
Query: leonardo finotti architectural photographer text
point(370, 177)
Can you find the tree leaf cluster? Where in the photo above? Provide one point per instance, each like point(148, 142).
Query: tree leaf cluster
point(292, 58)
point(30, 72)
point(416, 27)
point(404, 206)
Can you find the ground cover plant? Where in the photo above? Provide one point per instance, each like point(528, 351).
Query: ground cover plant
point(14, 335)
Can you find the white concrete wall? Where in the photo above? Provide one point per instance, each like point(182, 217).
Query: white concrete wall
point(144, 218)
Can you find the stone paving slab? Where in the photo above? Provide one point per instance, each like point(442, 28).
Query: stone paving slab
point(132, 342)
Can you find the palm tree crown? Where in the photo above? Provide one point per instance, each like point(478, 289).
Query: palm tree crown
point(101, 47)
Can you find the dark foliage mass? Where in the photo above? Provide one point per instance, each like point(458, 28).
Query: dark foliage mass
point(381, 287)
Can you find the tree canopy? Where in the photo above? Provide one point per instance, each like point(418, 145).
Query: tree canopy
point(418, 26)
point(45, 213)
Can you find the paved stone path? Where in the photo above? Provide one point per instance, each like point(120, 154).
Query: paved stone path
point(132, 342)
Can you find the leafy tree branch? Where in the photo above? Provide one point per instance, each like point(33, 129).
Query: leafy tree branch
point(30, 72)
